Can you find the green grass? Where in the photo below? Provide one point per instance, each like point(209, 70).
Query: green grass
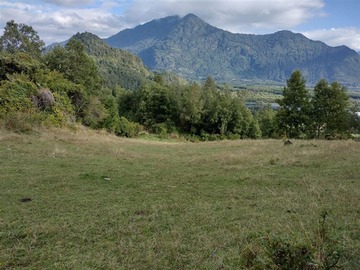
point(102, 202)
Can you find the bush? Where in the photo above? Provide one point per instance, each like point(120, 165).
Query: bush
point(126, 128)
point(285, 255)
point(160, 129)
point(15, 94)
point(320, 253)
point(21, 122)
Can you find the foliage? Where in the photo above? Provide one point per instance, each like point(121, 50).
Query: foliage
point(191, 109)
point(294, 114)
point(155, 104)
point(21, 38)
point(73, 62)
point(284, 255)
point(127, 128)
point(18, 62)
point(223, 112)
point(15, 94)
point(267, 123)
point(330, 104)
point(94, 112)
point(254, 130)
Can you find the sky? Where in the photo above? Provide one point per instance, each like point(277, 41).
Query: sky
point(335, 22)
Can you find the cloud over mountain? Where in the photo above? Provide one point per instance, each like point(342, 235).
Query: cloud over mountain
point(57, 20)
point(337, 36)
point(236, 16)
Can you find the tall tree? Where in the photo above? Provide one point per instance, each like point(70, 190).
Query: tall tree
point(191, 109)
point(210, 115)
point(241, 118)
point(330, 104)
point(295, 107)
point(21, 38)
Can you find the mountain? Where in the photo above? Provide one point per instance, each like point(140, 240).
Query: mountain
point(194, 49)
point(116, 66)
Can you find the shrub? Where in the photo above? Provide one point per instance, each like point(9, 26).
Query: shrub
point(21, 122)
point(321, 253)
point(127, 128)
point(15, 94)
point(285, 255)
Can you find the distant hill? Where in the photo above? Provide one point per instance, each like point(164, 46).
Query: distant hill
point(194, 49)
point(116, 66)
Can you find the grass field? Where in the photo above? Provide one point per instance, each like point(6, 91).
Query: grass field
point(86, 200)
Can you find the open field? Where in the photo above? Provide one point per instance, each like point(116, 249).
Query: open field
point(102, 202)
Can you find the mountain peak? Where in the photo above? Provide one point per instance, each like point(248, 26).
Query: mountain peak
point(191, 16)
point(192, 20)
point(156, 29)
point(192, 48)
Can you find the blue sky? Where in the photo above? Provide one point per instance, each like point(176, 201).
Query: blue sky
point(335, 22)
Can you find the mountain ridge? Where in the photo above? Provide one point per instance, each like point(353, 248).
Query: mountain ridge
point(194, 49)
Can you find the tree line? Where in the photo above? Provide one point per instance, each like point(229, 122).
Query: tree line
point(63, 86)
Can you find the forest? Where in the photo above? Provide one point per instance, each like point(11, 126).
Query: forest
point(64, 86)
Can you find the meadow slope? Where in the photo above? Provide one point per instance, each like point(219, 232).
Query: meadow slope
point(89, 200)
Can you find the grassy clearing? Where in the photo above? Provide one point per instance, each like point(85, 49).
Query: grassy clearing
point(102, 202)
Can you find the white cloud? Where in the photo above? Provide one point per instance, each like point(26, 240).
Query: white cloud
point(60, 23)
point(70, 2)
point(57, 20)
point(236, 16)
point(349, 36)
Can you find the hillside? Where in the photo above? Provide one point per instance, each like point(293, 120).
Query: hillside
point(194, 49)
point(116, 66)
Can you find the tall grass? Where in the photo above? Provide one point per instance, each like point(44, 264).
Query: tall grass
point(102, 202)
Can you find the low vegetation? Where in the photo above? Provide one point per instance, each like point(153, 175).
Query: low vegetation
point(80, 199)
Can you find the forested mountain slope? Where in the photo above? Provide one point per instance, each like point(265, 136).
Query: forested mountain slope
point(116, 66)
point(192, 48)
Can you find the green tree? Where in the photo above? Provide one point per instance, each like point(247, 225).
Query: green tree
point(224, 112)
point(95, 112)
point(330, 104)
point(76, 65)
point(210, 115)
point(79, 68)
point(191, 109)
point(254, 130)
point(21, 38)
point(241, 118)
point(267, 124)
point(111, 121)
point(295, 107)
point(155, 104)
